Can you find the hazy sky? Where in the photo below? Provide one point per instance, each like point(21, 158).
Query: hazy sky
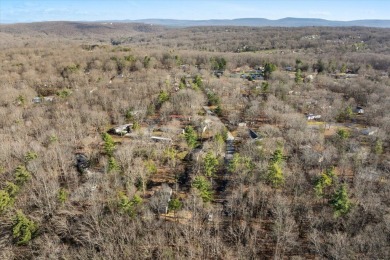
point(89, 10)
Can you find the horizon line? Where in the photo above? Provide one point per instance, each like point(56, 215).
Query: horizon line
point(191, 20)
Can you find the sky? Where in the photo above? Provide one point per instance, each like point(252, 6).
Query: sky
point(17, 11)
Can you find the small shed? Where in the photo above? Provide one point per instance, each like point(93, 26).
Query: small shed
point(37, 100)
point(218, 73)
point(253, 135)
point(359, 110)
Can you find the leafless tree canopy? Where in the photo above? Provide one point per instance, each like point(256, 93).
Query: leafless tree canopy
point(131, 141)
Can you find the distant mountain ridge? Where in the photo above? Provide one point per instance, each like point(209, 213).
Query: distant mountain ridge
point(116, 28)
point(253, 22)
point(261, 22)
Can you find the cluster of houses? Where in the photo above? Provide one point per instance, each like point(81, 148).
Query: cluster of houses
point(358, 110)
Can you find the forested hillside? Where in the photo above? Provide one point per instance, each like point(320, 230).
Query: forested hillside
point(132, 141)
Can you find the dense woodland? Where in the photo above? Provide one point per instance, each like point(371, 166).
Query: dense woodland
point(237, 168)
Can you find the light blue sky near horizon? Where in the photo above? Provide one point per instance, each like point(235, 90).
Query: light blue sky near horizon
point(16, 11)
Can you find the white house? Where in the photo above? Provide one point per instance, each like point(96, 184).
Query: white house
point(312, 117)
